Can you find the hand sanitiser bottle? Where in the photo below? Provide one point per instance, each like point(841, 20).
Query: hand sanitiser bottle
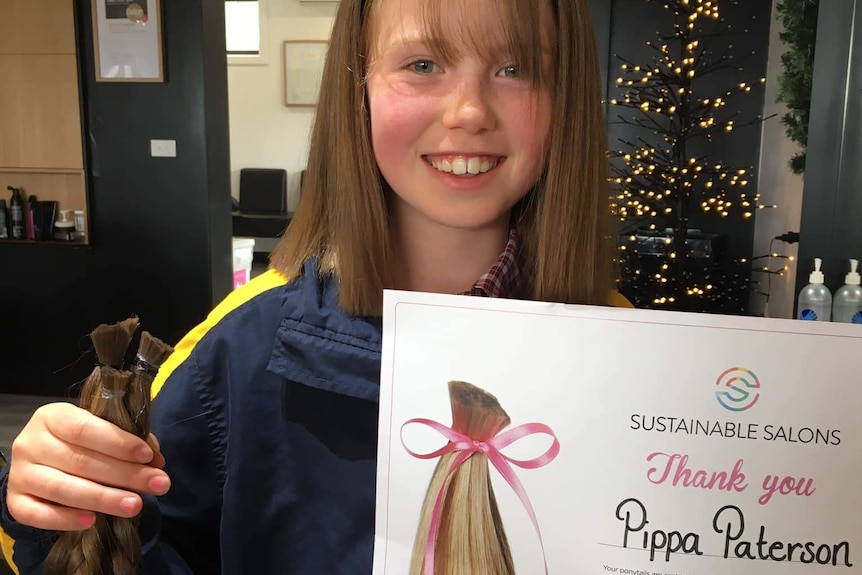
point(847, 303)
point(815, 299)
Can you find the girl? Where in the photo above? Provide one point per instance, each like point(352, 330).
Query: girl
point(459, 148)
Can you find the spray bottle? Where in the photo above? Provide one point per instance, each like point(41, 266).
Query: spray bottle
point(815, 299)
point(847, 304)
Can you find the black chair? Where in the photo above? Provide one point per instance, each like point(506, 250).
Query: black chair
point(262, 212)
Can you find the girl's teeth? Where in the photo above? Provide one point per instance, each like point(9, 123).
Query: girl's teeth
point(459, 166)
point(463, 166)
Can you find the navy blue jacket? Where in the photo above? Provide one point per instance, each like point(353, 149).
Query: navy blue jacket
point(267, 417)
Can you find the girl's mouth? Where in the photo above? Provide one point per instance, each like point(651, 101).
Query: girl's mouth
point(464, 166)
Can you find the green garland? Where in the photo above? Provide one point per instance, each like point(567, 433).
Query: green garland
point(799, 18)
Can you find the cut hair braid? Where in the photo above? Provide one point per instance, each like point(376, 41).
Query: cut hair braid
point(112, 545)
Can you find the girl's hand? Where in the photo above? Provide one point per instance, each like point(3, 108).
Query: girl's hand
point(67, 464)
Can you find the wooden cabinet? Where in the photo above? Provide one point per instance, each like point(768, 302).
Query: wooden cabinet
point(37, 27)
point(40, 113)
point(41, 143)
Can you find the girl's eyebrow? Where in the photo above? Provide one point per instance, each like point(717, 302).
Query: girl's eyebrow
point(408, 41)
point(414, 40)
point(399, 44)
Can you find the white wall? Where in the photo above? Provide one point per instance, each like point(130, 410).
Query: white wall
point(779, 186)
point(264, 133)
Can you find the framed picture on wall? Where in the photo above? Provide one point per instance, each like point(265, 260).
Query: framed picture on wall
point(303, 70)
point(128, 40)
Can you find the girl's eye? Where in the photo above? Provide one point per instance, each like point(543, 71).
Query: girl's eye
point(423, 66)
point(510, 71)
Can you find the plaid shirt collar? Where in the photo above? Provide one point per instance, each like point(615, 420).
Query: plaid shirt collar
point(504, 279)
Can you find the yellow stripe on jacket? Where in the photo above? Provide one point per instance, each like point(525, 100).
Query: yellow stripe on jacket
point(6, 544)
point(619, 300)
point(264, 282)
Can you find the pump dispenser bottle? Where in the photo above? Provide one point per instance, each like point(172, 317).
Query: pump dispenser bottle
point(815, 299)
point(847, 303)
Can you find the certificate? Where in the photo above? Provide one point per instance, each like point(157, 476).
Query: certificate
point(128, 40)
point(303, 71)
point(531, 438)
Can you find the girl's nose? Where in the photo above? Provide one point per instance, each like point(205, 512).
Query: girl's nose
point(468, 106)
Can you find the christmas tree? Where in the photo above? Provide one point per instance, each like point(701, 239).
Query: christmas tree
point(667, 182)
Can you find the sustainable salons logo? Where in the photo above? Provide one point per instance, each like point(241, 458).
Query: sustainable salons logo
point(738, 389)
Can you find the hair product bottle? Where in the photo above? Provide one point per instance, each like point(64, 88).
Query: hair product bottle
point(4, 221)
point(16, 209)
point(64, 228)
point(847, 303)
point(33, 218)
point(815, 299)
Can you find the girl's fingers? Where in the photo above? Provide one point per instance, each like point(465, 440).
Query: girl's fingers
point(80, 427)
point(158, 459)
point(68, 465)
point(103, 469)
point(29, 510)
point(53, 488)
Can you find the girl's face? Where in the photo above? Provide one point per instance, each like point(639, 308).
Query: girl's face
point(458, 142)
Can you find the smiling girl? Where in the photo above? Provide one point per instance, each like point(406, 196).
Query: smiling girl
point(459, 147)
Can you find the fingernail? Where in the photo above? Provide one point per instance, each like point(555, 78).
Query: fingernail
point(87, 520)
point(144, 455)
point(159, 484)
point(128, 504)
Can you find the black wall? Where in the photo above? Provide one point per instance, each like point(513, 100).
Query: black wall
point(601, 11)
point(832, 202)
point(160, 227)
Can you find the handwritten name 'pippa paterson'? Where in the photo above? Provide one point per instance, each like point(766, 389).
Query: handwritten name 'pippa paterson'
point(738, 543)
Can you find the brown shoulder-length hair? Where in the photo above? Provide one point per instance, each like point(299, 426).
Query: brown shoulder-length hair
point(342, 217)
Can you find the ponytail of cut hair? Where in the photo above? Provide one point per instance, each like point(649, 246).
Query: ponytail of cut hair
point(112, 545)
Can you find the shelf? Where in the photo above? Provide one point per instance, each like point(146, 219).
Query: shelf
point(76, 243)
point(68, 171)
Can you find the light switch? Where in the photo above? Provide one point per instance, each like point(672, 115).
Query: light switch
point(163, 148)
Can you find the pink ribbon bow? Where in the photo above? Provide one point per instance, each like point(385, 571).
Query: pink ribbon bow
point(466, 447)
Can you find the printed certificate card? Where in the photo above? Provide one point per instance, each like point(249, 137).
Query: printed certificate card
point(531, 438)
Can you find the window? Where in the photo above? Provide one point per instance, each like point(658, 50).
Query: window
point(245, 24)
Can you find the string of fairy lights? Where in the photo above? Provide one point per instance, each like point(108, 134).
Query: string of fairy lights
point(659, 185)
